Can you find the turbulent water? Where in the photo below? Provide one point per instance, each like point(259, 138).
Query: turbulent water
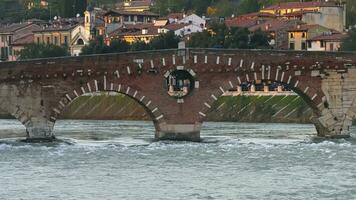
point(119, 160)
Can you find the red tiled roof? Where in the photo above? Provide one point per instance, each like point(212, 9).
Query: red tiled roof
point(135, 29)
point(303, 27)
point(290, 5)
point(175, 16)
point(174, 26)
point(13, 27)
point(124, 12)
point(272, 25)
point(58, 28)
point(240, 22)
point(27, 39)
point(258, 14)
point(153, 30)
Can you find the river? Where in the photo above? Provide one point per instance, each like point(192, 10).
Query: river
point(119, 160)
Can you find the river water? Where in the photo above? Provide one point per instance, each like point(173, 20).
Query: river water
point(119, 160)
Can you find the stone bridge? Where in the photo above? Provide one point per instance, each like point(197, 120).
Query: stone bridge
point(177, 87)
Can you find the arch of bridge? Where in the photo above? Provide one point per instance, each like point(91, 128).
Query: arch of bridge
point(102, 85)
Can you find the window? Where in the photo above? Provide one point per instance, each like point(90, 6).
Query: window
point(321, 44)
point(56, 40)
point(10, 40)
point(65, 40)
point(304, 35)
point(304, 46)
point(291, 46)
point(309, 44)
point(291, 35)
point(87, 19)
point(80, 42)
point(48, 40)
point(38, 40)
point(331, 46)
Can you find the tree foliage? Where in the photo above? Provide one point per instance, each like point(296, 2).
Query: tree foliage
point(349, 43)
point(222, 37)
point(32, 51)
point(98, 46)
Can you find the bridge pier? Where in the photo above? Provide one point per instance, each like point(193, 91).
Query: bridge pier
point(180, 132)
point(39, 130)
point(330, 126)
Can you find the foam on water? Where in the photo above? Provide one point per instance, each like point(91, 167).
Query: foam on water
point(119, 160)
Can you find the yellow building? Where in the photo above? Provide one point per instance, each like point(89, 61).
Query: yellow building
point(73, 37)
point(134, 33)
point(298, 35)
point(136, 5)
point(293, 7)
point(56, 35)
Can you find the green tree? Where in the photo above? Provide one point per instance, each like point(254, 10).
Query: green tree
point(96, 46)
point(139, 46)
point(37, 13)
point(201, 40)
point(32, 51)
point(248, 6)
point(349, 43)
point(238, 38)
point(259, 40)
point(165, 41)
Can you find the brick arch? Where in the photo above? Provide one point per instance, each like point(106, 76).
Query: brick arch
point(300, 84)
point(102, 85)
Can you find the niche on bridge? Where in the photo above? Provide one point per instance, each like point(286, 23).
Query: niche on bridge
point(263, 86)
point(180, 82)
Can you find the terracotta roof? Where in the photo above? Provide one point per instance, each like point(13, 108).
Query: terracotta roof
point(174, 26)
point(332, 36)
point(124, 12)
point(289, 5)
point(27, 39)
point(57, 28)
point(153, 30)
point(135, 29)
point(258, 14)
point(304, 27)
point(13, 27)
point(299, 13)
point(175, 16)
point(240, 22)
point(273, 25)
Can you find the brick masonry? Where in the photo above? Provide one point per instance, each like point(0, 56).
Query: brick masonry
point(37, 91)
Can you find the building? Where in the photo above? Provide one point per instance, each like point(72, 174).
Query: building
point(300, 34)
point(134, 33)
point(330, 14)
point(14, 37)
point(328, 41)
point(181, 30)
point(116, 19)
point(37, 4)
point(72, 36)
point(129, 17)
point(136, 5)
point(94, 22)
point(277, 29)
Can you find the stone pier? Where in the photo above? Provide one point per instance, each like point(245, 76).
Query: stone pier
point(185, 132)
